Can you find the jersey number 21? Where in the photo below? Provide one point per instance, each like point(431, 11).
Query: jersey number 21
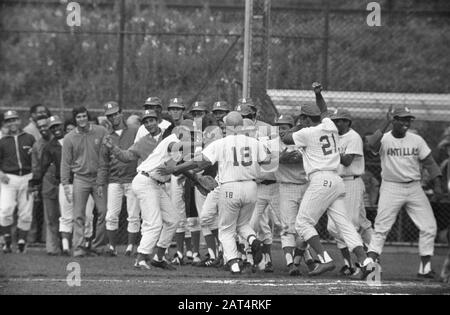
point(326, 144)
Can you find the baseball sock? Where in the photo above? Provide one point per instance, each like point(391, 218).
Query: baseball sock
point(65, 241)
point(132, 238)
point(347, 257)
point(372, 255)
point(323, 256)
point(215, 232)
point(195, 241)
point(188, 244)
point(288, 255)
point(22, 235)
point(6, 232)
point(266, 251)
point(298, 254)
point(160, 252)
point(112, 236)
point(179, 239)
point(361, 256)
point(425, 264)
point(211, 244)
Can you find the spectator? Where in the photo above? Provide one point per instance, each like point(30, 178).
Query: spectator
point(15, 173)
point(80, 155)
point(69, 125)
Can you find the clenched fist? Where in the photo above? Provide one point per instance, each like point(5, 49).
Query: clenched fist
point(317, 87)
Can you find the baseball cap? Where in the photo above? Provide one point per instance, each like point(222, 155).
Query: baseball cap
point(176, 102)
point(198, 106)
point(221, 106)
point(54, 120)
point(402, 112)
point(149, 113)
point(309, 110)
point(111, 108)
point(247, 101)
point(341, 114)
point(153, 100)
point(10, 114)
point(243, 109)
point(285, 119)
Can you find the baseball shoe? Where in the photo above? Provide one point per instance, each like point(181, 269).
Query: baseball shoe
point(248, 268)
point(346, 271)
point(163, 264)
point(111, 251)
point(293, 270)
point(177, 260)
point(129, 250)
point(322, 267)
point(235, 266)
point(269, 267)
point(312, 264)
point(429, 275)
point(6, 249)
point(208, 262)
point(142, 262)
point(21, 246)
point(189, 257)
point(257, 251)
point(196, 260)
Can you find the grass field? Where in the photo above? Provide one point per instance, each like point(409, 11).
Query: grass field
point(37, 273)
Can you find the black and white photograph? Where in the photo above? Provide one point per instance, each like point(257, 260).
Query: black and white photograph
point(223, 153)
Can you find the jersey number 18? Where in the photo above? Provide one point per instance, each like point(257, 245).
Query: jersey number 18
point(245, 154)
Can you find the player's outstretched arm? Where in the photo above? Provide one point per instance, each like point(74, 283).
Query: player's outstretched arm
point(320, 102)
point(288, 138)
point(374, 141)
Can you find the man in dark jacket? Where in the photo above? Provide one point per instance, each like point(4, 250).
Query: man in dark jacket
point(15, 173)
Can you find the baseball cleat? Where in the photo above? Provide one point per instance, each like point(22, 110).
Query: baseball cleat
point(177, 260)
point(322, 268)
point(6, 249)
point(129, 250)
point(162, 264)
point(142, 265)
point(293, 270)
point(257, 251)
point(248, 268)
point(312, 264)
point(21, 246)
point(347, 271)
point(429, 275)
point(111, 251)
point(269, 267)
point(208, 262)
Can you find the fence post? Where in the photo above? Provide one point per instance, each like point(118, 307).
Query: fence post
point(326, 35)
point(120, 63)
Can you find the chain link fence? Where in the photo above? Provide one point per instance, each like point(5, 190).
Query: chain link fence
point(129, 50)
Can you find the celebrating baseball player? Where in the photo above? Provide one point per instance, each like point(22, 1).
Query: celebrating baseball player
point(155, 104)
point(318, 140)
point(402, 154)
point(351, 168)
point(239, 158)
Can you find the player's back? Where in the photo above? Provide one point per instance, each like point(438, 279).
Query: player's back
point(319, 146)
point(238, 157)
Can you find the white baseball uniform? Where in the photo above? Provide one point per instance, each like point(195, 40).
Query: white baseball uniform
point(400, 164)
point(351, 143)
point(159, 216)
point(239, 159)
point(142, 131)
point(326, 189)
point(293, 185)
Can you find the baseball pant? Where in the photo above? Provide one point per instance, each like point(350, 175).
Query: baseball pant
point(159, 216)
point(66, 218)
point(51, 216)
point(116, 192)
point(267, 196)
point(354, 205)
point(236, 204)
point(291, 196)
point(393, 196)
point(326, 193)
point(15, 194)
point(82, 188)
point(210, 212)
point(177, 197)
point(193, 223)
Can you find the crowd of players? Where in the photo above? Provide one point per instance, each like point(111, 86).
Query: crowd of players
point(287, 175)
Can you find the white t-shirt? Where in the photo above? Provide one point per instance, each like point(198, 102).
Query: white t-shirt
point(400, 157)
point(159, 156)
point(142, 131)
point(319, 146)
point(238, 157)
point(351, 143)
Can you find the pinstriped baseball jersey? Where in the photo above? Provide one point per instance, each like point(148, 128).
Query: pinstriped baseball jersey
point(290, 173)
point(321, 142)
point(400, 157)
point(351, 143)
point(238, 157)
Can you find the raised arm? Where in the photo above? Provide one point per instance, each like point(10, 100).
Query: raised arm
point(320, 102)
point(374, 141)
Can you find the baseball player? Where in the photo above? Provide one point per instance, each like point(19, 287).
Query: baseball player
point(51, 155)
point(321, 159)
point(292, 181)
point(351, 169)
point(155, 104)
point(220, 110)
point(119, 175)
point(176, 109)
point(239, 157)
point(402, 154)
point(198, 110)
point(15, 173)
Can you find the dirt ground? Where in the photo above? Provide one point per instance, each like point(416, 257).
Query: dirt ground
point(37, 273)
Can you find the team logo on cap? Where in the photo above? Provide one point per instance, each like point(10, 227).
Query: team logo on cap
point(110, 105)
point(407, 109)
point(336, 111)
point(238, 108)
